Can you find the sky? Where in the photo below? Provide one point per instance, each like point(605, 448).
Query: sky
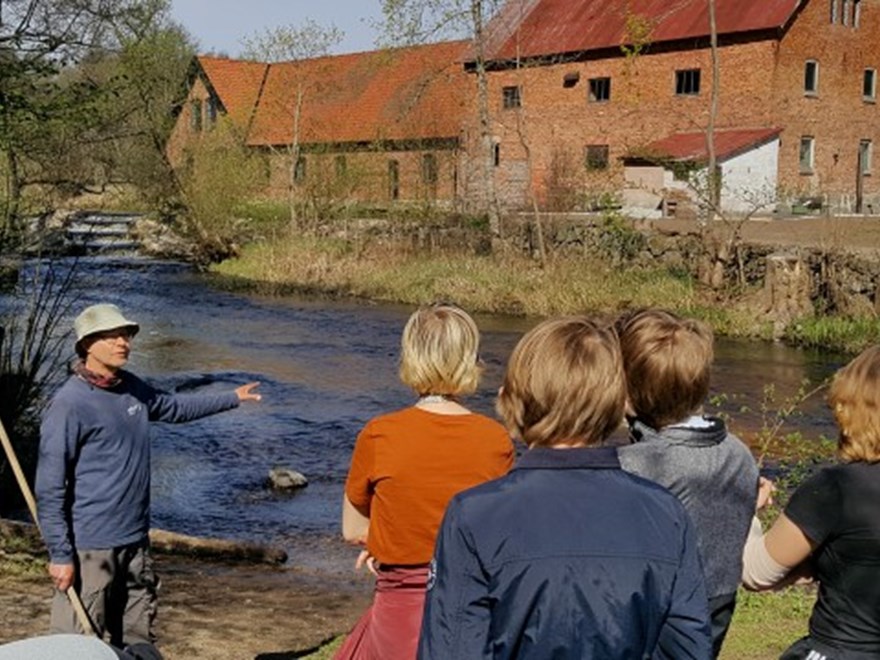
point(219, 25)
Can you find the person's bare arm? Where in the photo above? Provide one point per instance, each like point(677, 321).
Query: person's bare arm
point(355, 524)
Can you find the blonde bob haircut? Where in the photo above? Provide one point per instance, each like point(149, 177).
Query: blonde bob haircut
point(440, 351)
point(667, 360)
point(854, 398)
point(564, 384)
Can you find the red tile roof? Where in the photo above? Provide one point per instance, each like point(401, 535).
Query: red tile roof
point(401, 94)
point(692, 146)
point(550, 27)
point(236, 82)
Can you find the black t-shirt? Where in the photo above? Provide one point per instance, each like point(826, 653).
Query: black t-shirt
point(839, 510)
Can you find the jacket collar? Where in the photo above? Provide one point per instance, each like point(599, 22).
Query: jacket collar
point(696, 436)
point(576, 458)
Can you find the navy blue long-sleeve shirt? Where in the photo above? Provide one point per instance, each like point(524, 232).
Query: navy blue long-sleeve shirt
point(566, 557)
point(93, 473)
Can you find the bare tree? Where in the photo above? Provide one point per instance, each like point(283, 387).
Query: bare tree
point(424, 21)
point(294, 44)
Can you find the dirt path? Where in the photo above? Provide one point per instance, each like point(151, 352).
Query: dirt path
point(219, 612)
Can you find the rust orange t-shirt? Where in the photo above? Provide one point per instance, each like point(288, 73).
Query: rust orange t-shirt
point(406, 467)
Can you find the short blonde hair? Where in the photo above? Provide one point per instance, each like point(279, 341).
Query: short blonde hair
point(854, 398)
point(667, 360)
point(440, 351)
point(564, 384)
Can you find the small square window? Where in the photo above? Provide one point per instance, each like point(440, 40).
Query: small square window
point(869, 85)
point(597, 156)
point(806, 154)
point(811, 77)
point(600, 90)
point(865, 155)
point(687, 82)
point(511, 97)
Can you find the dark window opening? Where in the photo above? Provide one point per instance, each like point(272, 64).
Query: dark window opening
point(597, 156)
point(687, 82)
point(511, 97)
point(429, 170)
point(496, 154)
point(600, 89)
point(211, 111)
point(869, 85)
point(299, 172)
point(393, 179)
point(571, 79)
point(811, 77)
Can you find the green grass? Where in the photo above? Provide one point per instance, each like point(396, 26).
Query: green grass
point(837, 333)
point(765, 624)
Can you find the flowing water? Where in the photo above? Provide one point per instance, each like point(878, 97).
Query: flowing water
point(325, 368)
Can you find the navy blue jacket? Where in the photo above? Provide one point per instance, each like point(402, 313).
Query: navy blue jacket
point(566, 557)
point(93, 472)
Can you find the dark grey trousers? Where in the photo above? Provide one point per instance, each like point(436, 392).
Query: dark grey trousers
point(118, 588)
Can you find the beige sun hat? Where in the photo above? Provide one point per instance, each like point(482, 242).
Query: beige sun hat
point(100, 318)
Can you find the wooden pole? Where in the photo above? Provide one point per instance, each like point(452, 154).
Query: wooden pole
point(75, 600)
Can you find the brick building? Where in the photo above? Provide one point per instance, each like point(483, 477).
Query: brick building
point(380, 125)
point(591, 100)
point(604, 96)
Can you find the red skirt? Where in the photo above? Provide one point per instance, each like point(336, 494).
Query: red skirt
point(389, 629)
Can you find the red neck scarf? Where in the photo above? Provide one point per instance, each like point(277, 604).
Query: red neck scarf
point(104, 382)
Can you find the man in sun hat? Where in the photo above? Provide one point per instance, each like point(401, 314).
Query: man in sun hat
point(93, 479)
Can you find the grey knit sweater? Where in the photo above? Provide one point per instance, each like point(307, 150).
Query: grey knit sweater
point(714, 475)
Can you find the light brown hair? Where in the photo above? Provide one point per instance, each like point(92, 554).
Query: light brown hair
point(564, 384)
point(667, 360)
point(440, 351)
point(854, 398)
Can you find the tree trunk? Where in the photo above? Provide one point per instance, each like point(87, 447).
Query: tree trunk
point(490, 200)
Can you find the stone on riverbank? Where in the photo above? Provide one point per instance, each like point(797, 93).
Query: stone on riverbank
point(285, 479)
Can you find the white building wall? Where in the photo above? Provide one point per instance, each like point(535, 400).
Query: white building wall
point(748, 181)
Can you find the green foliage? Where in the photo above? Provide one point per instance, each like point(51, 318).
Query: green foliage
point(835, 332)
point(618, 239)
point(221, 175)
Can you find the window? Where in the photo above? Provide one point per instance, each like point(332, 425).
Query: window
point(211, 111)
point(341, 166)
point(600, 89)
point(429, 170)
point(808, 147)
point(687, 82)
point(844, 12)
point(496, 154)
point(811, 78)
point(865, 154)
point(597, 156)
point(299, 172)
point(857, 13)
point(195, 115)
point(869, 85)
point(511, 97)
point(393, 179)
point(834, 8)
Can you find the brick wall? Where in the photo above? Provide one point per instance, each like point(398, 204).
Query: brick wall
point(762, 85)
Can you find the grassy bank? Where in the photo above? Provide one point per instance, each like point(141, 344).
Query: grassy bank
point(500, 283)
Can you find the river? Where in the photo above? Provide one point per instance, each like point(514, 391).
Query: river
point(325, 368)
